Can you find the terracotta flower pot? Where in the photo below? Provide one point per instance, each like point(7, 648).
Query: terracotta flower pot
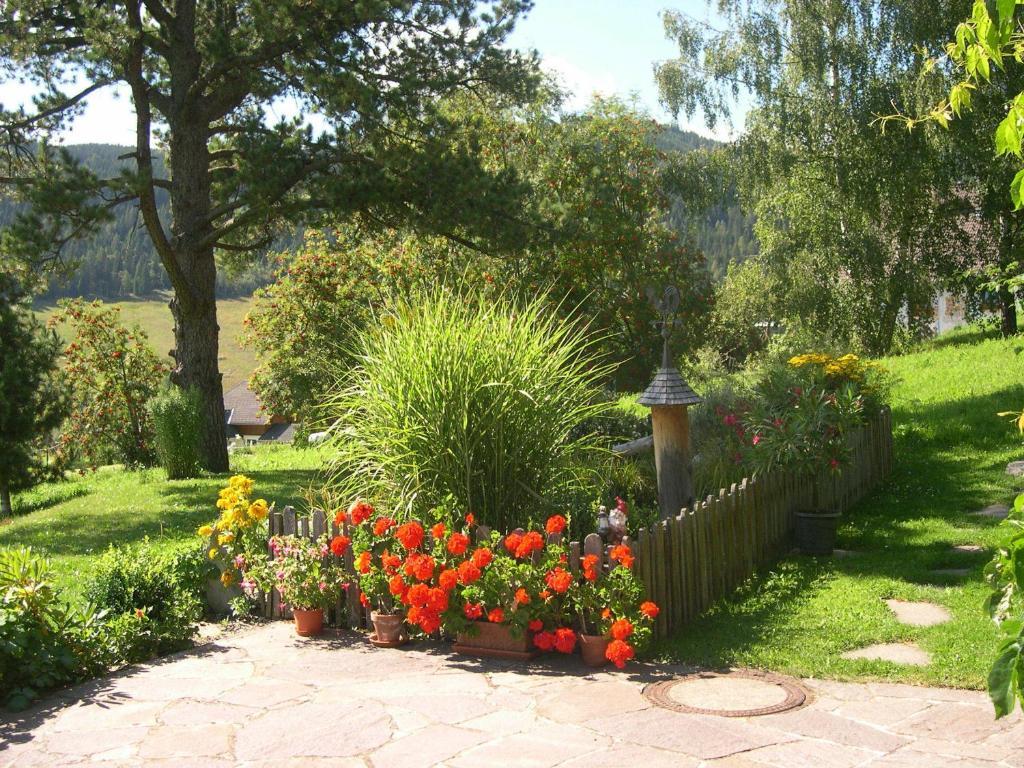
point(593, 648)
point(308, 623)
point(495, 641)
point(388, 627)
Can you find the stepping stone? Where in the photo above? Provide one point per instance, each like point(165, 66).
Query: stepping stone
point(1015, 469)
point(898, 653)
point(995, 511)
point(918, 614)
point(967, 549)
point(951, 571)
point(844, 553)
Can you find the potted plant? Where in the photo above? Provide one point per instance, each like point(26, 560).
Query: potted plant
point(377, 564)
point(612, 618)
point(305, 576)
point(800, 424)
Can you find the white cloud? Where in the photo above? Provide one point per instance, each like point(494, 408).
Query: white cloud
point(581, 84)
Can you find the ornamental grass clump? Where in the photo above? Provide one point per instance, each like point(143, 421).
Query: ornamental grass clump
point(472, 403)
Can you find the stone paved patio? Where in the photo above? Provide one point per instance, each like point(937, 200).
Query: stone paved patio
point(267, 698)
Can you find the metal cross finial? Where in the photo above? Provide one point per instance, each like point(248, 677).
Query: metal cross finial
point(667, 305)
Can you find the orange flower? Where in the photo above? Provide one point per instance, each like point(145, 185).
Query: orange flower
point(529, 543)
point(396, 586)
point(437, 600)
point(339, 544)
point(621, 629)
point(555, 524)
point(418, 595)
point(590, 567)
point(340, 517)
point(419, 565)
point(391, 562)
point(482, 557)
point(359, 512)
point(623, 554)
point(473, 611)
point(447, 579)
point(496, 616)
point(545, 594)
point(512, 542)
point(619, 652)
point(606, 613)
point(410, 535)
point(565, 640)
point(470, 519)
point(458, 543)
point(468, 572)
point(363, 562)
point(364, 600)
point(649, 609)
point(559, 580)
point(382, 525)
point(522, 597)
point(437, 531)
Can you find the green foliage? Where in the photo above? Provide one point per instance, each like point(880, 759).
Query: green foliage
point(176, 425)
point(301, 572)
point(161, 591)
point(32, 401)
point(748, 306)
point(112, 373)
point(461, 398)
point(1005, 574)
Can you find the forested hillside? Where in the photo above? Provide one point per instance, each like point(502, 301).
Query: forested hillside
point(120, 262)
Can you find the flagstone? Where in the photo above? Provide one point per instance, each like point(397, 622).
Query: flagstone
point(187, 741)
point(810, 754)
point(426, 747)
point(898, 653)
point(995, 511)
point(919, 614)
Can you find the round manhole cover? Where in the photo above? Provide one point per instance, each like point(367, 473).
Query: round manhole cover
point(739, 693)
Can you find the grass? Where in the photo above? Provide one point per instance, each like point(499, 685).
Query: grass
point(75, 520)
point(951, 449)
point(154, 316)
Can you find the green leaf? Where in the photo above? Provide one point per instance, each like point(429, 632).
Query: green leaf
point(1008, 138)
point(1002, 680)
point(1016, 194)
point(1005, 9)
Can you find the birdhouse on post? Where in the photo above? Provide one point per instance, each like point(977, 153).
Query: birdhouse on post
point(668, 397)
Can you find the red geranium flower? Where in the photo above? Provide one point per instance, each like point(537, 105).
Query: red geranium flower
point(437, 600)
point(419, 565)
point(360, 511)
point(619, 652)
point(339, 544)
point(473, 611)
point(649, 609)
point(396, 586)
point(410, 535)
point(340, 517)
point(565, 640)
point(382, 525)
point(418, 595)
point(364, 600)
point(621, 629)
point(590, 567)
point(522, 596)
point(468, 572)
point(363, 562)
point(496, 616)
point(512, 542)
point(559, 580)
point(555, 524)
point(529, 543)
point(437, 531)
point(391, 562)
point(458, 543)
point(623, 554)
point(448, 578)
point(536, 625)
point(544, 640)
point(470, 519)
point(482, 557)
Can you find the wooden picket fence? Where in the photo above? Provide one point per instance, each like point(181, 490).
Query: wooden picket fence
point(686, 562)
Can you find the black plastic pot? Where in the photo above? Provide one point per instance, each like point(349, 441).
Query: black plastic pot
point(816, 532)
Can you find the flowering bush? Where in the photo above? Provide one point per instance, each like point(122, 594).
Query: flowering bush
point(239, 535)
point(609, 604)
point(868, 379)
point(302, 571)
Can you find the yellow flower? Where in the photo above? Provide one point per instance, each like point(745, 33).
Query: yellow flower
point(225, 538)
point(258, 509)
point(205, 530)
point(241, 484)
point(227, 578)
point(212, 553)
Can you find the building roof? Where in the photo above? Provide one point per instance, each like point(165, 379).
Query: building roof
point(242, 408)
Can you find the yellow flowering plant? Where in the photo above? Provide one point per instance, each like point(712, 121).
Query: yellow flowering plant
point(868, 379)
point(239, 533)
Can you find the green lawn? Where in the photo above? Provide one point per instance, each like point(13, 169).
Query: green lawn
point(154, 316)
point(75, 520)
point(951, 451)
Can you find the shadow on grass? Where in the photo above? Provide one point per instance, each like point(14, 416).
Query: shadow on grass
point(949, 461)
point(50, 496)
point(964, 338)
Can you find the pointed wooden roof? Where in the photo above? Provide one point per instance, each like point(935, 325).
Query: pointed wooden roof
point(669, 388)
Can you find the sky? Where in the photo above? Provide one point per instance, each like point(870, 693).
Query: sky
point(593, 46)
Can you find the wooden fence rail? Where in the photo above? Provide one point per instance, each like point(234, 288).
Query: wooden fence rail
point(689, 561)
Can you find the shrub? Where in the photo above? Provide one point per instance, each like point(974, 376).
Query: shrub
point(177, 420)
point(44, 643)
point(462, 401)
point(159, 589)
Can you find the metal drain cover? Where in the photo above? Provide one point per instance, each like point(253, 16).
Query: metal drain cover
point(739, 693)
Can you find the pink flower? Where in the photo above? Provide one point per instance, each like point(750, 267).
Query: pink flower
point(756, 439)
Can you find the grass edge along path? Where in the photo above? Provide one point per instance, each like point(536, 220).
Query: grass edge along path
point(798, 616)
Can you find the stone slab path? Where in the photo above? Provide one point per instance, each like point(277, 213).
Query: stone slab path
point(265, 697)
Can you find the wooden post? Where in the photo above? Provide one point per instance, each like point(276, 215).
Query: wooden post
point(672, 458)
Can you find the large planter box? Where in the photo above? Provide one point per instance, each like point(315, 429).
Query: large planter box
point(495, 641)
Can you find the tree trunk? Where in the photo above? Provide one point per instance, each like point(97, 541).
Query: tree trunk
point(6, 509)
point(196, 332)
point(1008, 311)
